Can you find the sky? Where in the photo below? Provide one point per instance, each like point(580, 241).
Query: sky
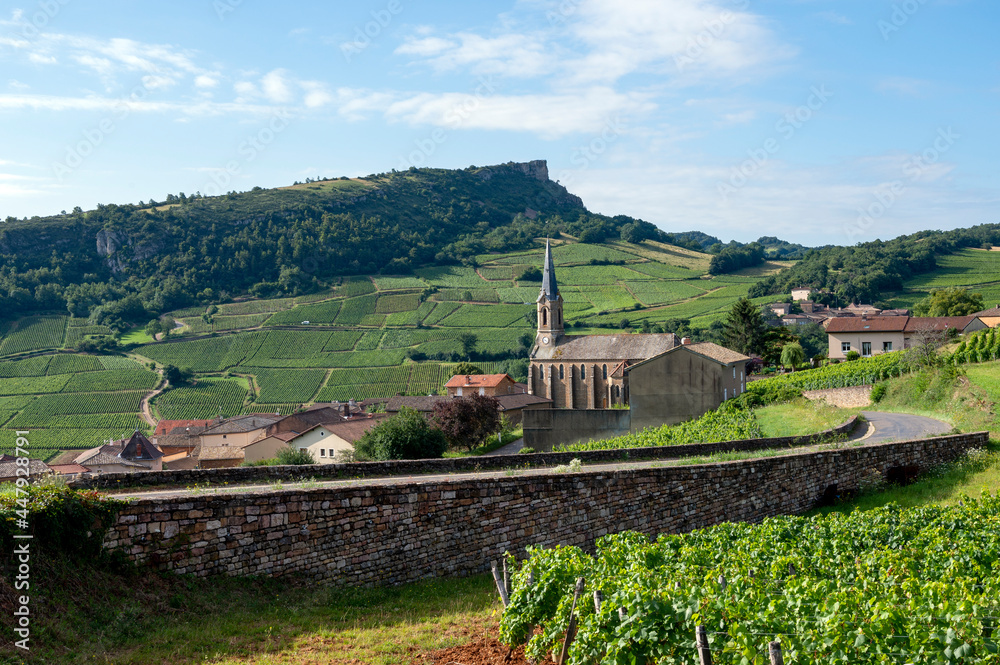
point(817, 121)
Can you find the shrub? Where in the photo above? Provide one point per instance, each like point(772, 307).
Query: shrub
point(878, 392)
point(295, 456)
point(527, 450)
point(852, 355)
point(406, 435)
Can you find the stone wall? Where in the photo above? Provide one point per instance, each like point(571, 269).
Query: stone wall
point(271, 474)
point(393, 533)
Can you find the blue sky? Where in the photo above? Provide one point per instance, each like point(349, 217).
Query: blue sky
point(819, 121)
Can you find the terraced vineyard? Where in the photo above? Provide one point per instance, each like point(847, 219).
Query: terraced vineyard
point(351, 341)
point(69, 401)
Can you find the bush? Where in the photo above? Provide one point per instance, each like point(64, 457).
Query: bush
point(878, 392)
point(406, 435)
point(295, 456)
point(852, 355)
point(527, 450)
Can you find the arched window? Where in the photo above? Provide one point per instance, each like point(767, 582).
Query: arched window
point(545, 317)
point(562, 374)
point(541, 373)
point(605, 371)
point(618, 392)
point(583, 371)
point(559, 317)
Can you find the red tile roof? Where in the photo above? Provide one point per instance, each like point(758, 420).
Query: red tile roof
point(937, 323)
point(477, 380)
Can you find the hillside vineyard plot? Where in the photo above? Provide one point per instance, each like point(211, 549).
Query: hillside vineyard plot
point(888, 585)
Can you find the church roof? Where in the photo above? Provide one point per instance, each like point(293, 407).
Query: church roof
point(549, 287)
point(607, 347)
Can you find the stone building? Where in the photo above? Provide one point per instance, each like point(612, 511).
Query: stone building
point(583, 371)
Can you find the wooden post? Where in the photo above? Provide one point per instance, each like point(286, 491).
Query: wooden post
point(775, 650)
point(701, 641)
point(506, 575)
point(722, 582)
point(571, 629)
point(531, 577)
point(499, 581)
point(598, 597)
point(622, 615)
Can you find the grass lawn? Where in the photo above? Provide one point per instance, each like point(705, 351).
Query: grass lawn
point(136, 336)
point(801, 417)
point(125, 618)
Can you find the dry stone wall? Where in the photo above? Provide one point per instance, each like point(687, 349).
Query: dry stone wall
point(395, 533)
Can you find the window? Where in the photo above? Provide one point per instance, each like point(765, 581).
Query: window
point(541, 372)
point(545, 316)
point(845, 347)
point(583, 371)
point(482, 391)
point(866, 349)
point(562, 374)
point(322, 452)
point(886, 347)
point(559, 317)
point(734, 372)
point(605, 372)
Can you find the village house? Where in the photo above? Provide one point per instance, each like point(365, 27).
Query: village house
point(801, 293)
point(137, 453)
point(36, 468)
point(511, 407)
point(492, 385)
point(684, 383)
point(583, 371)
point(873, 335)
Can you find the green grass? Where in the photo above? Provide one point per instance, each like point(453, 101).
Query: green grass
point(800, 418)
point(136, 336)
point(130, 618)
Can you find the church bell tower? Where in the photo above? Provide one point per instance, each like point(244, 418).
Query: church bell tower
point(550, 305)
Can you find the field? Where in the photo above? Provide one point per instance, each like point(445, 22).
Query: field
point(974, 269)
point(355, 339)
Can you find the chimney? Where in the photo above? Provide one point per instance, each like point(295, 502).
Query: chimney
point(468, 379)
point(347, 410)
point(685, 341)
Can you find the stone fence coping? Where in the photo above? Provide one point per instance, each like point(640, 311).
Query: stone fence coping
point(270, 474)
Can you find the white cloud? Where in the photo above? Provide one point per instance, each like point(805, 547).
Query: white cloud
point(425, 47)
point(834, 17)
point(126, 105)
point(316, 94)
point(206, 81)
point(511, 55)
point(14, 84)
point(275, 86)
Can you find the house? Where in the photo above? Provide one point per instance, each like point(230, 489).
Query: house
point(872, 335)
point(684, 383)
point(220, 457)
point(801, 293)
point(781, 308)
point(238, 430)
point(165, 427)
point(796, 320)
point(866, 335)
point(137, 453)
point(179, 436)
point(9, 469)
point(578, 371)
point(326, 440)
point(492, 385)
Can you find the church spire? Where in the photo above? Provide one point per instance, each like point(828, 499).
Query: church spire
point(549, 288)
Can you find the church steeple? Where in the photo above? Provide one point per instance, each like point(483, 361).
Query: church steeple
point(549, 303)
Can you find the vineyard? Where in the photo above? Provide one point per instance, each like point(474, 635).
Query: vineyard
point(283, 386)
point(208, 398)
point(862, 371)
point(980, 346)
point(34, 333)
point(888, 585)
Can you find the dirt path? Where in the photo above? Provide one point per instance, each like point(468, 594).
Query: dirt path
point(147, 413)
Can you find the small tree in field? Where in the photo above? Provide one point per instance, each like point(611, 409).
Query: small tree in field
point(465, 369)
point(467, 421)
point(792, 355)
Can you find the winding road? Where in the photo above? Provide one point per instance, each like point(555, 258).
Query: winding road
point(884, 427)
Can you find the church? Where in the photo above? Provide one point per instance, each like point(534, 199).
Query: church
point(583, 371)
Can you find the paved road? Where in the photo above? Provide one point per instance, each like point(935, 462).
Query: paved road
point(900, 427)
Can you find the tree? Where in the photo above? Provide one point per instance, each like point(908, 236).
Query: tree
point(405, 435)
point(467, 421)
point(949, 302)
point(153, 328)
point(462, 369)
point(530, 274)
point(773, 340)
point(177, 376)
point(468, 342)
point(743, 327)
point(792, 355)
